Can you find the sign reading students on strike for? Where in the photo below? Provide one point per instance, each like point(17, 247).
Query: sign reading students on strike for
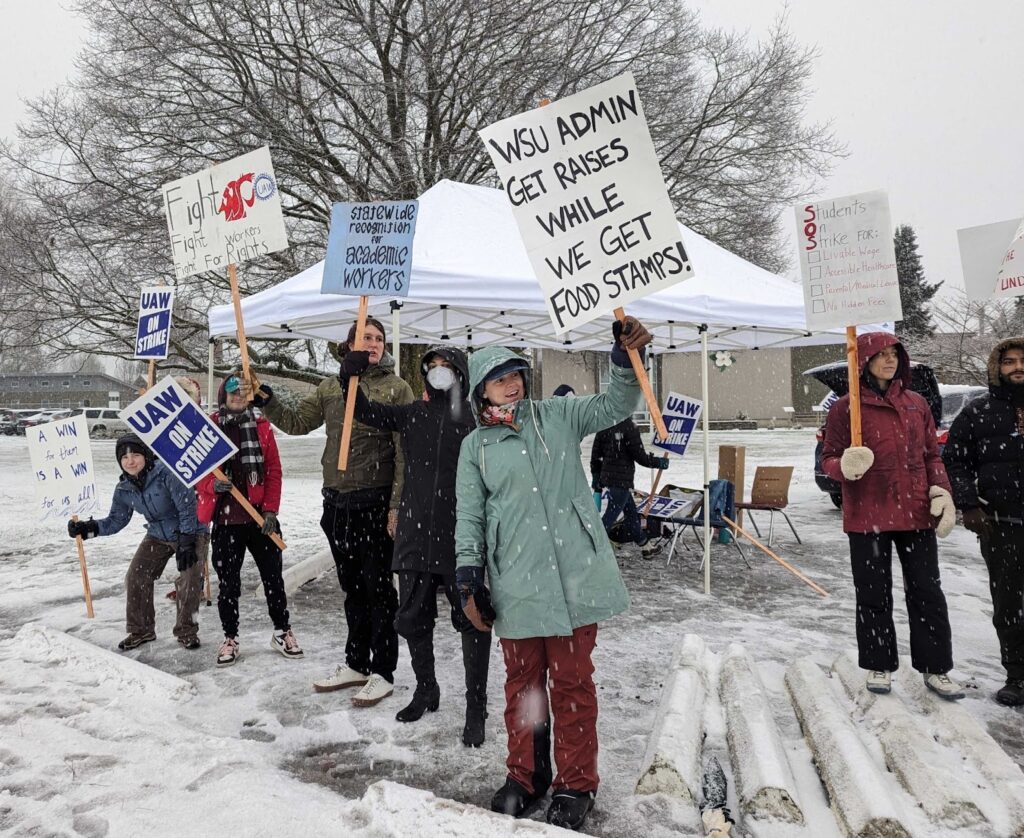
point(153, 335)
point(848, 261)
point(681, 414)
point(588, 196)
point(369, 250)
point(180, 434)
point(225, 215)
point(65, 483)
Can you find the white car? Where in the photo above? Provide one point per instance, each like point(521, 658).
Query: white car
point(103, 422)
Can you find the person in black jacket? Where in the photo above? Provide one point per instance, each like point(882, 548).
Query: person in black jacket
point(984, 457)
point(424, 559)
point(612, 460)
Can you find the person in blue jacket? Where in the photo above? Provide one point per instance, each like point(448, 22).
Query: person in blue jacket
point(169, 507)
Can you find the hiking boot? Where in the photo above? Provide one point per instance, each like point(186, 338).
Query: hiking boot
point(569, 808)
point(374, 691)
point(285, 643)
point(191, 642)
point(879, 681)
point(423, 699)
point(344, 676)
point(228, 652)
point(650, 550)
point(944, 686)
point(133, 641)
point(513, 799)
point(1012, 695)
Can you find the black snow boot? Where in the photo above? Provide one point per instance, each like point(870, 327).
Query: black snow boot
point(427, 695)
point(1012, 695)
point(569, 808)
point(513, 799)
point(476, 656)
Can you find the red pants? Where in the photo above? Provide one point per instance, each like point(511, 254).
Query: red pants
point(534, 666)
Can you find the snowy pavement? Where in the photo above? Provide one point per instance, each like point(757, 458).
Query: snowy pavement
point(159, 741)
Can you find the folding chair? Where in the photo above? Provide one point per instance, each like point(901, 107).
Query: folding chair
point(770, 494)
point(722, 500)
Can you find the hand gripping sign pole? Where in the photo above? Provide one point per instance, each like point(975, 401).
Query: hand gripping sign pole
point(85, 572)
point(353, 384)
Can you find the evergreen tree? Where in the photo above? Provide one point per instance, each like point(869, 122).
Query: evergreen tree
point(915, 292)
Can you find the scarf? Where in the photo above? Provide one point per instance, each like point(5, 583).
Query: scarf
point(249, 452)
point(503, 415)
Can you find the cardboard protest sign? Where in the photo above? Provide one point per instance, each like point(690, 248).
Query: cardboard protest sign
point(224, 215)
point(848, 261)
point(982, 252)
point(369, 250)
point(180, 434)
point(153, 334)
point(587, 193)
point(65, 483)
point(681, 415)
point(662, 507)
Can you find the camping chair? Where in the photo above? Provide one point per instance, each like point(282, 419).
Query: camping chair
point(770, 494)
point(722, 500)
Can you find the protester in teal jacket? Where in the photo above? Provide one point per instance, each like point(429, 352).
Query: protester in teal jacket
point(525, 512)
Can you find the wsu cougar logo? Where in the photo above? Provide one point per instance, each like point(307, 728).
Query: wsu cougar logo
point(238, 195)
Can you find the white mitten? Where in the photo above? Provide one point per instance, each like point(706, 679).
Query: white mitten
point(855, 461)
point(942, 507)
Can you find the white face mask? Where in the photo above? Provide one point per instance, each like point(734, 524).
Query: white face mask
point(441, 378)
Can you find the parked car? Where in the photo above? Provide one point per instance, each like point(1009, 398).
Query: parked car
point(102, 422)
point(41, 417)
point(955, 397)
point(9, 421)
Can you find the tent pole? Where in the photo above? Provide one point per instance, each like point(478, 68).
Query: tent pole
point(396, 326)
point(704, 421)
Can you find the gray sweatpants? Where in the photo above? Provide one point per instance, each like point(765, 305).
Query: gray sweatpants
point(146, 566)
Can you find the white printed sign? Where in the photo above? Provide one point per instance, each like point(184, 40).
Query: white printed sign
point(982, 252)
point(153, 334)
point(681, 414)
point(848, 261)
point(587, 193)
point(223, 215)
point(65, 483)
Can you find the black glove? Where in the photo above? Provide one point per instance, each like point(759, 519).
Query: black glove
point(662, 463)
point(222, 487)
point(595, 482)
point(86, 529)
point(629, 334)
point(975, 520)
point(270, 525)
point(186, 555)
point(355, 362)
point(262, 396)
point(476, 599)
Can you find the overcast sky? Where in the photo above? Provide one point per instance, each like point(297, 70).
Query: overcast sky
point(925, 93)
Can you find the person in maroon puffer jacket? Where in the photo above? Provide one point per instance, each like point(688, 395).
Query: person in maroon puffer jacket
point(894, 489)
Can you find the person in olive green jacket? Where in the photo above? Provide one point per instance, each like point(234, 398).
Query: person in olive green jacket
point(360, 513)
point(525, 512)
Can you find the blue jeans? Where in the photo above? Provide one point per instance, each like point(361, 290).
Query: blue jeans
point(621, 500)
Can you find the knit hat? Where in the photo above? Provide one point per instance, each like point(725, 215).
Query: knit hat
point(564, 390)
point(190, 386)
point(131, 444)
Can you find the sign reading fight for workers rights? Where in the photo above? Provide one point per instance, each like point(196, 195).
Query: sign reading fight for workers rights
point(153, 334)
point(369, 250)
point(180, 434)
point(588, 196)
point(681, 414)
point(65, 483)
point(848, 261)
point(224, 215)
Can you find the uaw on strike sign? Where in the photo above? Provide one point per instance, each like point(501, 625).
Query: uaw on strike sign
point(224, 215)
point(588, 196)
point(153, 334)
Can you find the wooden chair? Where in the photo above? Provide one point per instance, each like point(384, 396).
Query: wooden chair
point(770, 493)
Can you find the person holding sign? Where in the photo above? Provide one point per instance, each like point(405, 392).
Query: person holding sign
point(360, 513)
point(255, 470)
point(169, 507)
point(895, 494)
point(525, 513)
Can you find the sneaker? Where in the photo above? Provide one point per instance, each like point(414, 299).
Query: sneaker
point(133, 641)
point(879, 681)
point(189, 642)
point(569, 808)
point(1012, 695)
point(513, 799)
point(344, 676)
point(944, 686)
point(228, 652)
point(650, 550)
point(286, 644)
point(374, 691)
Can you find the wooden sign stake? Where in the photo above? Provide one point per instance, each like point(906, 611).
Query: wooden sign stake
point(248, 507)
point(853, 374)
point(353, 383)
point(85, 572)
point(782, 562)
point(151, 376)
point(243, 346)
point(645, 385)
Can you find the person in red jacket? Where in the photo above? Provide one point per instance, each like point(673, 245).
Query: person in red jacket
point(894, 489)
point(256, 471)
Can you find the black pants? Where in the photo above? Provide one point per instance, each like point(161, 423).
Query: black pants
point(362, 552)
point(931, 646)
point(229, 544)
point(1002, 546)
point(417, 604)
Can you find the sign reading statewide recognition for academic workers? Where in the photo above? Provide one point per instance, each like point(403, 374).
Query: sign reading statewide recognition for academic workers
point(153, 334)
point(224, 215)
point(681, 414)
point(848, 261)
point(591, 205)
point(61, 456)
point(180, 434)
point(369, 250)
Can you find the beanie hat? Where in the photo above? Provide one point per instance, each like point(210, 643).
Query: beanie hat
point(190, 386)
point(131, 444)
point(564, 390)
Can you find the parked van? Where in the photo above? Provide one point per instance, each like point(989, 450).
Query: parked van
point(102, 422)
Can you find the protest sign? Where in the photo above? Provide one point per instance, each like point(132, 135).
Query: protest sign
point(61, 457)
point(681, 414)
point(588, 196)
point(982, 251)
point(848, 261)
point(369, 250)
point(662, 507)
point(153, 334)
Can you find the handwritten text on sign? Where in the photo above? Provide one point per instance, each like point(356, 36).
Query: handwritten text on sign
point(588, 196)
point(848, 261)
point(180, 434)
point(153, 335)
point(224, 215)
point(369, 251)
point(681, 414)
point(983, 253)
point(62, 466)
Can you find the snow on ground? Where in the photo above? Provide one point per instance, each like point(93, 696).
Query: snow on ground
point(92, 744)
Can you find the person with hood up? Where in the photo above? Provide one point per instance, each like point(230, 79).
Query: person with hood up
point(169, 507)
point(255, 470)
point(984, 457)
point(360, 512)
point(432, 432)
point(895, 494)
point(525, 513)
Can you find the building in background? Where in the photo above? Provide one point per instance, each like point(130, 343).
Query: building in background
point(64, 389)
